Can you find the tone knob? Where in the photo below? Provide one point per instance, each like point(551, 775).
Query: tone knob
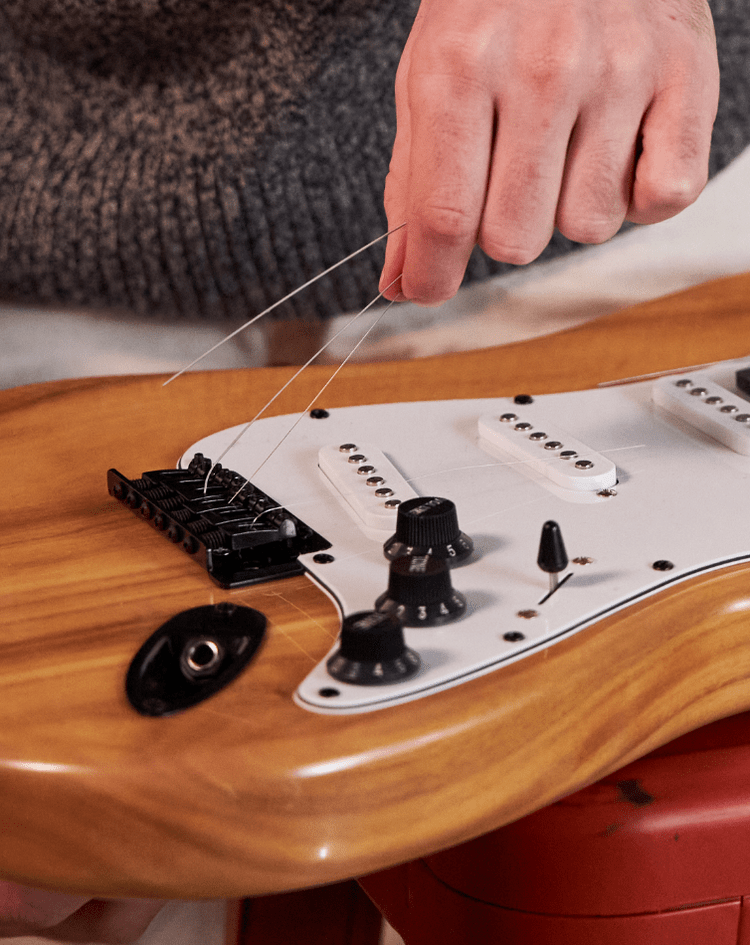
point(428, 526)
point(420, 592)
point(372, 651)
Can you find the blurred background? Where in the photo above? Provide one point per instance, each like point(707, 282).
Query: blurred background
point(706, 241)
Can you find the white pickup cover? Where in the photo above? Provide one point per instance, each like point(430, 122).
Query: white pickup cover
point(708, 407)
point(541, 443)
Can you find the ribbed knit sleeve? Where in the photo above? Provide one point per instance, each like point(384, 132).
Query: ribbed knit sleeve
point(200, 158)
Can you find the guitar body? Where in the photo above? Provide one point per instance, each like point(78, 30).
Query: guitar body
point(248, 792)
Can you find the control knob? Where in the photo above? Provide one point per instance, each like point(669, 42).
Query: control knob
point(420, 592)
point(428, 526)
point(372, 651)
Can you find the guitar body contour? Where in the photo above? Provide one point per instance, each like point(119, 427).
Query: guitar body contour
point(248, 793)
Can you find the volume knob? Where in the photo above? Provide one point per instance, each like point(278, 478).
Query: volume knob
point(372, 651)
point(428, 526)
point(420, 592)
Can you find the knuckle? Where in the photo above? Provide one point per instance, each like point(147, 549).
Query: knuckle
point(666, 198)
point(590, 230)
point(551, 72)
point(592, 208)
point(457, 54)
point(422, 292)
point(454, 64)
point(499, 248)
point(681, 193)
point(448, 224)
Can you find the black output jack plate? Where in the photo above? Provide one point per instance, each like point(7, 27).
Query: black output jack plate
point(192, 656)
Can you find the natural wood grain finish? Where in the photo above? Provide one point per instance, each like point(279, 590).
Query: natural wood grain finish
point(248, 794)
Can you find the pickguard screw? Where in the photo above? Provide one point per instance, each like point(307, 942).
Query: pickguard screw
point(523, 399)
point(606, 493)
point(583, 560)
point(514, 636)
point(528, 614)
point(662, 565)
point(323, 559)
point(319, 414)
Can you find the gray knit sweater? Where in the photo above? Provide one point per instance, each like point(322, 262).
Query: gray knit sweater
point(200, 158)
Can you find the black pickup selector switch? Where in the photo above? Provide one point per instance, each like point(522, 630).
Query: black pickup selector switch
point(372, 651)
point(428, 526)
point(742, 378)
point(420, 592)
point(552, 556)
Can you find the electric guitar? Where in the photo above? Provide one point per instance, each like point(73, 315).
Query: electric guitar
point(178, 714)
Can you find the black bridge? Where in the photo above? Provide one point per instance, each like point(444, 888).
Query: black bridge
point(236, 531)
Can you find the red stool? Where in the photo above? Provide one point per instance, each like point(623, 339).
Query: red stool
point(658, 853)
point(340, 914)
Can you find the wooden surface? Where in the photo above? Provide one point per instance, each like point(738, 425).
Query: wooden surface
point(249, 794)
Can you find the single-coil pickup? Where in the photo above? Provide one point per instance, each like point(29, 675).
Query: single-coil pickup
point(368, 481)
point(707, 407)
point(564, 460)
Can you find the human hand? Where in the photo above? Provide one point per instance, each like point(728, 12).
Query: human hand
point(516, 116)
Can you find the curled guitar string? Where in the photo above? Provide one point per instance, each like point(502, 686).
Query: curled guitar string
point(276, 508)
point(304, 412)
point(286, 298)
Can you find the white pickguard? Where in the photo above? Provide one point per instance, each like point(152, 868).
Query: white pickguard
point(681, 496)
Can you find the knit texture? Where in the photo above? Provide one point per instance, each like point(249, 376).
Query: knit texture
point(201, 158)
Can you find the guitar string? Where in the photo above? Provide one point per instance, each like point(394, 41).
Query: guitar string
point(449, 470)
point(619, 449)
point(286, 298)
point(306, 365)
point(515, 462)
point(621, 381)
point(307, 409)
point(300, 506)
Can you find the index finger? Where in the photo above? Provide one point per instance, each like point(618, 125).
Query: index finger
point(449, 156)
